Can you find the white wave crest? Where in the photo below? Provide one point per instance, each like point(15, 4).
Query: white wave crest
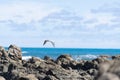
point(85, 57)
point(24, 52)
point(26, 57)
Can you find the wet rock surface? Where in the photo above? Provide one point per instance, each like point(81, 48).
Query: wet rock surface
point(12, 67)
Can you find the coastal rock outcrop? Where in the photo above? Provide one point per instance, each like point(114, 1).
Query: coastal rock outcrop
point(3, 53)
point(109, 70)
point(15, 52)
point(66, 61)
point(2, 78)
point(116, 57)
point(28, 77)
point(12, 67)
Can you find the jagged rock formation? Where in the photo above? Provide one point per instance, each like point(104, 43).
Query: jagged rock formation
point(12, 67)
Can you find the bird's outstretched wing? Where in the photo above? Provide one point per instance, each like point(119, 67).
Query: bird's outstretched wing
point(45, 42)
point(53, 44)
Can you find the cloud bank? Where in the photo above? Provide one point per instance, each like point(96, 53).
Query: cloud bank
point(29, 23)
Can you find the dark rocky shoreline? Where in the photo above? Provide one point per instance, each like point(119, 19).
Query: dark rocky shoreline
point(12, 67)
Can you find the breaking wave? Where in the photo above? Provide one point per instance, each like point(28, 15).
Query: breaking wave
point(85, 57)
point(26, 57)
point(24, 52)
point(75, 57)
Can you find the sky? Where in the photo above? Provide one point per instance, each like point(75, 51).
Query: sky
point(68, 23)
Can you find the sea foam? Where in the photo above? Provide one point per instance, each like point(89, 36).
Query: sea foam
point(26, 57)
point(85, 57)
point(24, 52)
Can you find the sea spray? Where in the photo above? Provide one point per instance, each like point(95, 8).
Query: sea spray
point(26, 57)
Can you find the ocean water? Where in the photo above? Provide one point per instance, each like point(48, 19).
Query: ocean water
point(76, 53)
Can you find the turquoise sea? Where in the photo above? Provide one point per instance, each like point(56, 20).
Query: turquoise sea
point(76, 53)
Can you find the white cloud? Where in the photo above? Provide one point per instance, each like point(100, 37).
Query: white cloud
point(25, 13)
point(29, 23)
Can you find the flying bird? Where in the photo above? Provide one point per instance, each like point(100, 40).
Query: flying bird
point(53, 44)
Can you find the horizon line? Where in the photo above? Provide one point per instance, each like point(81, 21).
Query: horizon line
point(66, 47)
